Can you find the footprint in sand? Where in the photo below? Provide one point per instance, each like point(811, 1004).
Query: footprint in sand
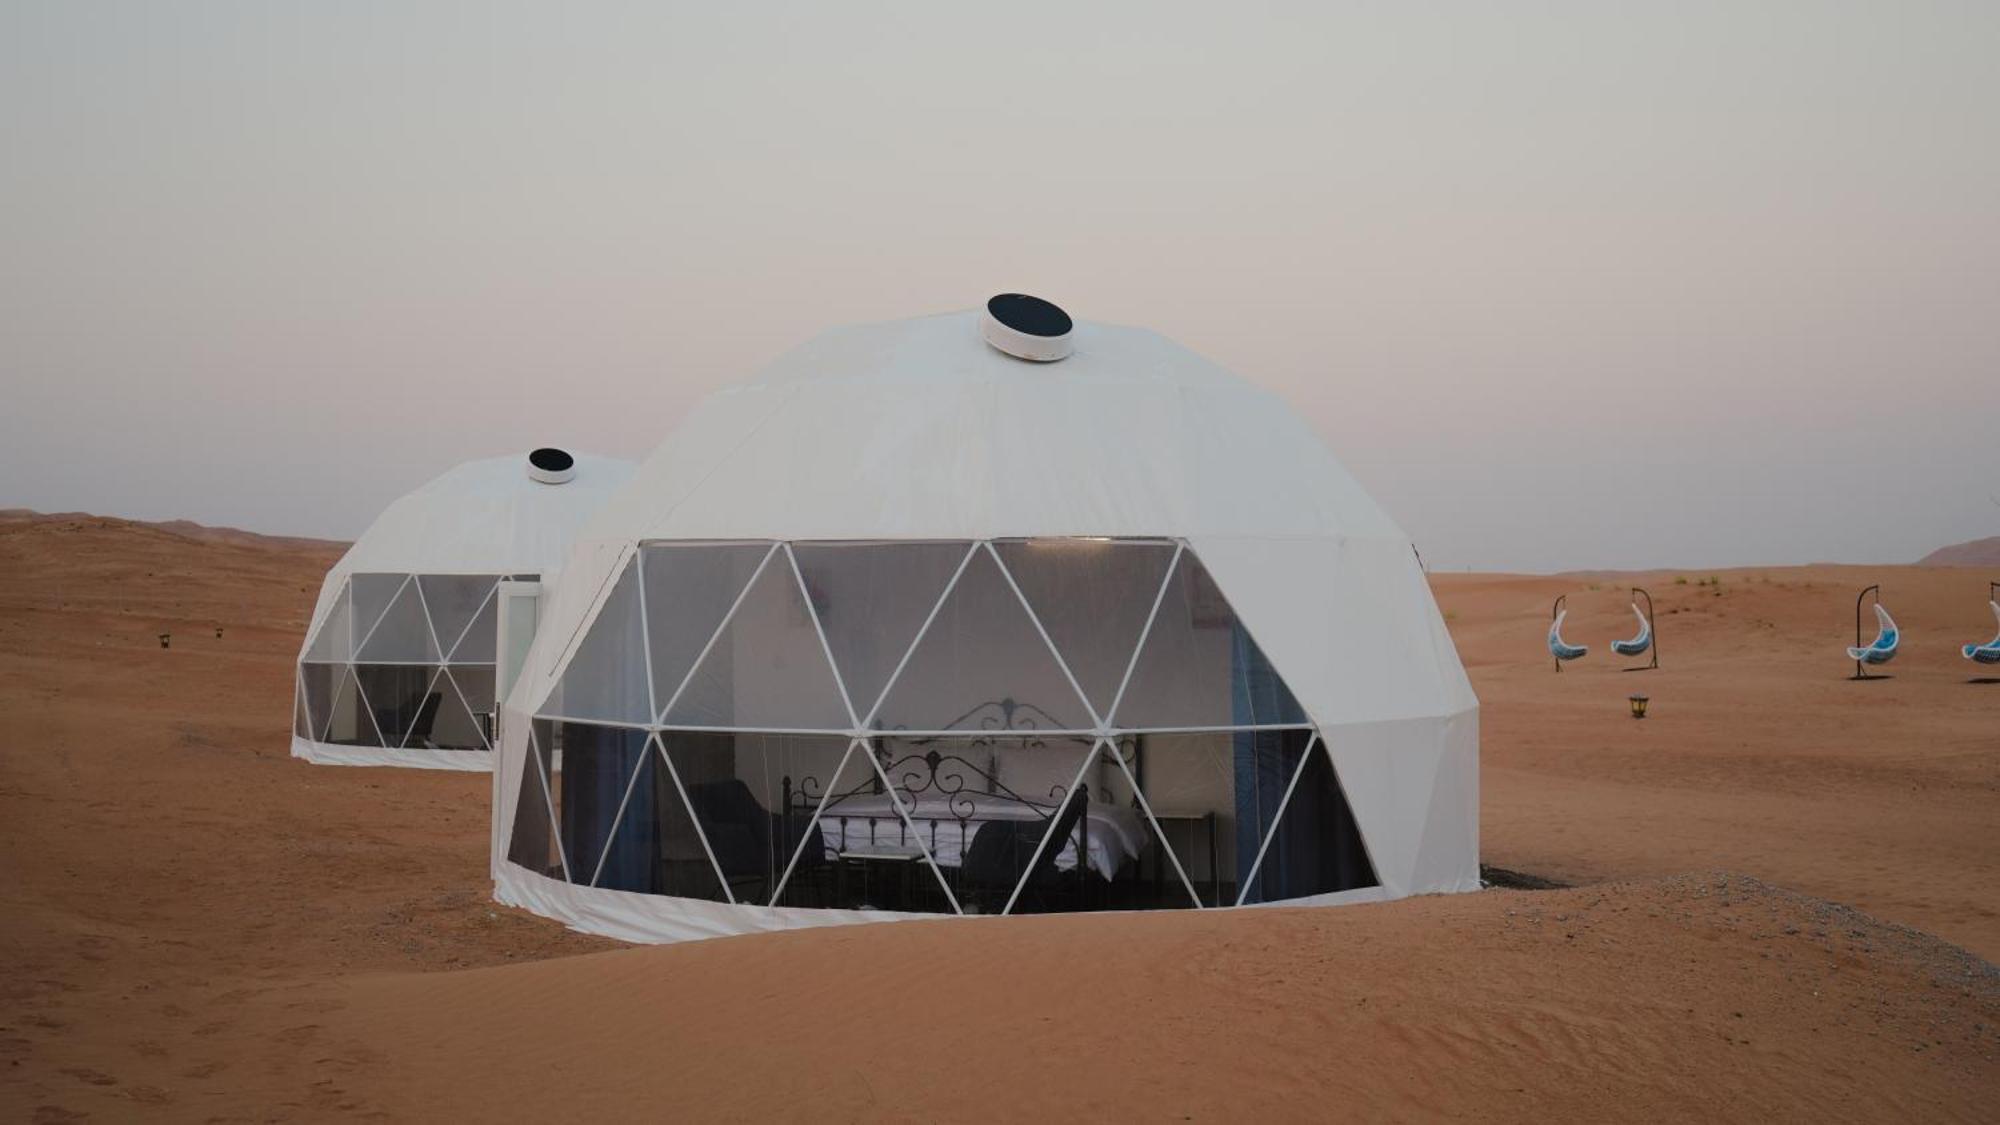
point(297, 1036)
point(205, 1070)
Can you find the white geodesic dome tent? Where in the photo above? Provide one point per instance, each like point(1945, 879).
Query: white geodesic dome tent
point(909, 625)
point(398, 664)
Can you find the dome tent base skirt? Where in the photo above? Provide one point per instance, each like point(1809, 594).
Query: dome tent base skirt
point(324, 754)
point(658, 919)
point(1355, 897)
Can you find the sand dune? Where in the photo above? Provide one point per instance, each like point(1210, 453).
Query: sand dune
point(199, 928)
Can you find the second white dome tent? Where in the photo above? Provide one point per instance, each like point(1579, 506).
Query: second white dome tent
point(400, 665)
point(984, 613)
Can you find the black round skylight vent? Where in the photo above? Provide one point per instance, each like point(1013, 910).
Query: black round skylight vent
point(551, 465)
point(1028, 314)
point(1027, 327)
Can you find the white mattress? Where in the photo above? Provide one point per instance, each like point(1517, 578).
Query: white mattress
point(1116, 834)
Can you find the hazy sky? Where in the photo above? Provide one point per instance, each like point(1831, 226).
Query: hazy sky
point(1565, 285)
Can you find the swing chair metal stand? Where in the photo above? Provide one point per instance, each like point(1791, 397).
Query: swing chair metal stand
point(1653, 626)
point(1860, 670)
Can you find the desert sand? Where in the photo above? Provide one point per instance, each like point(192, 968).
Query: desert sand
point(196, 927)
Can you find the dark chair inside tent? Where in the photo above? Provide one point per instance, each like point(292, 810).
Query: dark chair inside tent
point(1002, 850)
point(752, 845)
point(420, 730)
point(421, 708)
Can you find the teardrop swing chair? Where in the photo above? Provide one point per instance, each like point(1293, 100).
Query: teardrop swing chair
point(1560, 649)
point(1882, 649)
point(1645, 641)
point(1988, 653)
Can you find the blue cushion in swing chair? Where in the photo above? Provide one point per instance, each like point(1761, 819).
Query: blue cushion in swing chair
point(1883, 648)
point(1559, 648)
point(1640, 643)
point(1988, 653)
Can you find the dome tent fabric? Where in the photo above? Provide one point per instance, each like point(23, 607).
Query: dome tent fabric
point(905, 625)
point(398, 663)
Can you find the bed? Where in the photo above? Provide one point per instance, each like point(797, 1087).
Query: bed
point(951, 798)
point(946, 826)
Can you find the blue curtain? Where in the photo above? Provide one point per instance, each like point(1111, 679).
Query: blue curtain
point(1264, 763)
point(597, 765)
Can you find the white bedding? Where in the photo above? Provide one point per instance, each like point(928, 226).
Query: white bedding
point(1115, 833)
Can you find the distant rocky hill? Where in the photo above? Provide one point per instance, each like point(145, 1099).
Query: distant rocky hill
point(1979, 552)
point(185, 528)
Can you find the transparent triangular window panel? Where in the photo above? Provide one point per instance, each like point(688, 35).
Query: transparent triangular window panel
point(481, 637)
point(1093, 597)
point(871, 598)
point(851, 845)
point(317, 685)
point(534, 844)
point(767, 669)
point(1189, 787)
point(371, 596)
point(448, 723)
point(1200, 667)
point(595, 766)
point(402, 635)
point(812, 805)
point(333, 642)
point(1048, 839)
point(301, 718)
point(1315, 846)
point(452, 601)
point(748, 791)
point(981, 666)
point(605, 677)
point(468, 699)
point(349, 721)
point(689, 589)
point(404, 699)
point(654, 847)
